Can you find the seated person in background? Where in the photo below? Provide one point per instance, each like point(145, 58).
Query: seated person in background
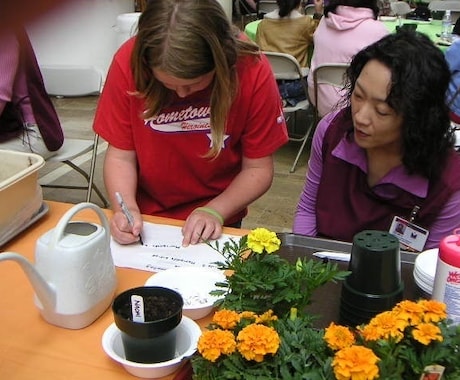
point(453, 93)
point(346, 28)
point(286, 30)
point(387, 151)
point(28, 120)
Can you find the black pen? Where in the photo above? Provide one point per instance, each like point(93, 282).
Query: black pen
point(127, 213)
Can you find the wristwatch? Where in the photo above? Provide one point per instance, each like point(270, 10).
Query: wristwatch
point(317, 16)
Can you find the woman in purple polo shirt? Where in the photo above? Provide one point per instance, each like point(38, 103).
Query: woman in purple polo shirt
point(388, 155)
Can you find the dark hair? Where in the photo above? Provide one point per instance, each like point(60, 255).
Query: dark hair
point(371, 4)
point(419, 81)
point(456, 29)
point(287, 6)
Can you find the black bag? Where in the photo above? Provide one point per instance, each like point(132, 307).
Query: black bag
point(11, 122)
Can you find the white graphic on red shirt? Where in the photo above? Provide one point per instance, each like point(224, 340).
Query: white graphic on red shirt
point(182, 120)
point(223, 141)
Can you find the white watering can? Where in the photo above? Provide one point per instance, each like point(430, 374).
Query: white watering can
point(74, 276)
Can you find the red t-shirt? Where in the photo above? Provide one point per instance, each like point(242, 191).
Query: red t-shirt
point(173, 176)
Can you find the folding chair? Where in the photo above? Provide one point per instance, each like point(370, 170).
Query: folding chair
point(247, 15)
point(400, 9)
point(285, 66)
point(72, 149)
point(332, 74)
point(265, 7)
point(309, 10)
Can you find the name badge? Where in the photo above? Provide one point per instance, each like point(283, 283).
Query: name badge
point(411, 236)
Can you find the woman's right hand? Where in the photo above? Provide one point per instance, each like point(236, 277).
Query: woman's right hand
point(122, 231)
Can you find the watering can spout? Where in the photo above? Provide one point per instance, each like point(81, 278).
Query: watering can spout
point(44, 291)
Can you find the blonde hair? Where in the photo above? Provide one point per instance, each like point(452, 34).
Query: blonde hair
point(187, 39)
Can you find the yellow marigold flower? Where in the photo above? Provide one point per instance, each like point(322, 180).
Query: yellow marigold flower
point(248, 315)
point(355, 363)
point(227, 319)
point(255, 341)
point(266, 317)
point(389, 324)
point(214, 343)
point(261, 239)
point(425, 333)
point(338, 337)
point(410, 311)
point(433, 311)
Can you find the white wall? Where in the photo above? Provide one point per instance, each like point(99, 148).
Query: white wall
point(228, 7)
point(81, 33)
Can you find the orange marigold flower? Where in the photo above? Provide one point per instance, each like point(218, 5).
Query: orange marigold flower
point(410, 311)
point(355, 363)
point(388, 324)
point(266, 317)
point(433, 311)
point(214, 343)
point(425, 333)
point(338, 337)
point(371, 333)
point(248, 315)
point(255, 341)
point(227, 319)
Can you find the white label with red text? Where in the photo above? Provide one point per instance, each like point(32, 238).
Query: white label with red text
point(447, 289)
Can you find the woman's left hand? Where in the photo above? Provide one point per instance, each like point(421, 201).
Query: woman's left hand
point(200, 226)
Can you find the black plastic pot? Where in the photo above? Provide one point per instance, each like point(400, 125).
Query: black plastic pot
point(153, 340)
point(374, 284)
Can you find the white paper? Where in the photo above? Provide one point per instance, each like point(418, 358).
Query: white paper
point(163, 249)
point(339, 256)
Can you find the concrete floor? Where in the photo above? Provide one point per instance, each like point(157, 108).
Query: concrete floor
point(274, 210)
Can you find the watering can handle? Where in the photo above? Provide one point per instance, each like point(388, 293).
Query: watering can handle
point(60, 227)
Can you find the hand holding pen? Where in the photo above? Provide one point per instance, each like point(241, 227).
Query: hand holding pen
point(127, 213)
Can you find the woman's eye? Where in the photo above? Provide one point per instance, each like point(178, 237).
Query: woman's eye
point(383, 112)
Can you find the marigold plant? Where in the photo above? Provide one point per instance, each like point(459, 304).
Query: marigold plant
point(403, 342)
point(260, 330)
point(262, 279)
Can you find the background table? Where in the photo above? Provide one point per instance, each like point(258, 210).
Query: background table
point(251, 29)
point(430, 29)
point(31, 348)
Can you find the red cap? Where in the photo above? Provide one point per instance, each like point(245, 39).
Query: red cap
point(449, 249)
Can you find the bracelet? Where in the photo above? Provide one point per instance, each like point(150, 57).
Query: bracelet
point(212, 212)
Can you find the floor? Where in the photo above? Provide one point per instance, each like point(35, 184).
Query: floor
point(274, 210)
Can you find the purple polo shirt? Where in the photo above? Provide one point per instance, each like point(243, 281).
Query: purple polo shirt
point(348, 151)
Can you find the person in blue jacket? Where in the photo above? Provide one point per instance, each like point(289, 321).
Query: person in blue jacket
point(453, 93)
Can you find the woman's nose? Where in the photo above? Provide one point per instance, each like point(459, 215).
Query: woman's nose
point(362, 114)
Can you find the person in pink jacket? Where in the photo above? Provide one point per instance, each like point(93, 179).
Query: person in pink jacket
point(347, 27)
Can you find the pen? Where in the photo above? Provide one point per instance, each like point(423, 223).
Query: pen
point(127, 213)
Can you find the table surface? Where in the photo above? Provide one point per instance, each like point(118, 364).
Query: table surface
point(30, 348)
point(430, 29)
